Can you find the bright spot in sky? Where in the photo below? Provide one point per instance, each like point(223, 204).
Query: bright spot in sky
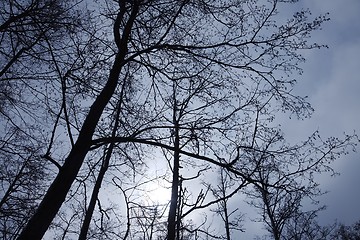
point(159, 192)
point(158, 185)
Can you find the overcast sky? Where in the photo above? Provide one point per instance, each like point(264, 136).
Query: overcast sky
point(331, 80)
point(332, 83)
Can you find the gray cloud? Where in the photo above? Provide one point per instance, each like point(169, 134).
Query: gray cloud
point(332, 81)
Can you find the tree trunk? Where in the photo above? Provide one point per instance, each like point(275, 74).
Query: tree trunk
point(224, 205)
point(94, 195)
point(174, 187)
point(226, 219)
point(102, 172)
point(55, 196)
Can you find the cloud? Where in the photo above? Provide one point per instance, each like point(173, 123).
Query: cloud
point(333, 82)
point(337, 100)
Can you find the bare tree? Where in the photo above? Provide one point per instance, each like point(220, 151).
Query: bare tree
point(201, 81)
point(305, 226)
point(21, 182)
point(286, 180)
point(344, 232)
point(224, 191)
point(26, 29)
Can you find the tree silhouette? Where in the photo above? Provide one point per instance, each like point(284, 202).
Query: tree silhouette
point(344, 232)
point(197, 84)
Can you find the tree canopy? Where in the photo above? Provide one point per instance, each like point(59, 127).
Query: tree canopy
point(95, 93)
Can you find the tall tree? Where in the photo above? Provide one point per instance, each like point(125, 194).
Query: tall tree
point(202, 80)
point(26, 30)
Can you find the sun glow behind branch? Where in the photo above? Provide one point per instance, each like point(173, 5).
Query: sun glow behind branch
point(159, 191)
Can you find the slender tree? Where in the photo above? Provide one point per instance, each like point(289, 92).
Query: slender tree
point(280, 194)
point(223, 192)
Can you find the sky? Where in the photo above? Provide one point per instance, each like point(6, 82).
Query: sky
point(332, 83)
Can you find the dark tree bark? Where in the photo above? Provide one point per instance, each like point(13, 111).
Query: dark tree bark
point(58, 190)
point(103, 169)
point(94, 195)
point(173, 216)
